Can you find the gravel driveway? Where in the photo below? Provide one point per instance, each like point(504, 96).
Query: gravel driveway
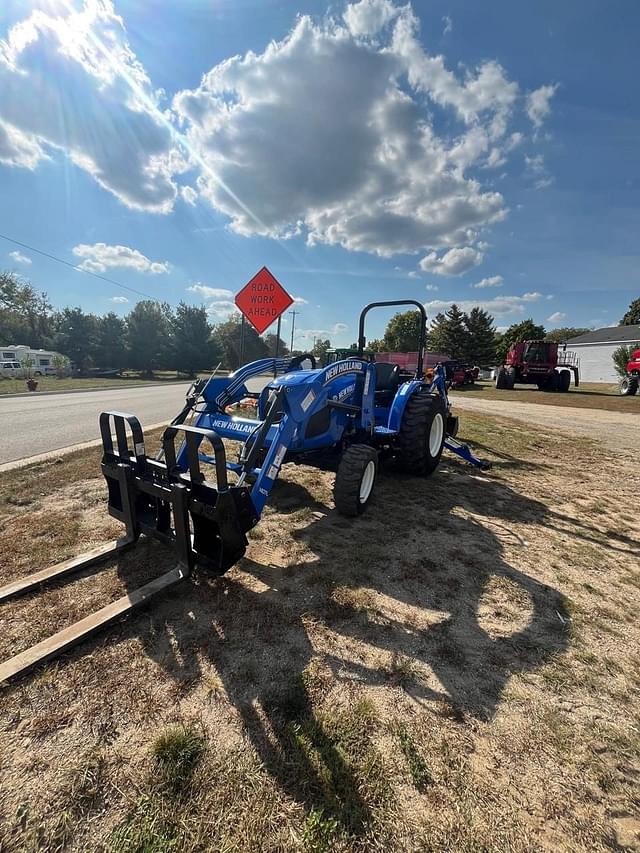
point(616, 430)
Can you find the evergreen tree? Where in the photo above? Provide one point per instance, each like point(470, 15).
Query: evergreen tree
point(632, 317)
point(481, 338)
point(76, 336)
point(448, 334)
point(192, 343)
point(149, 336)
point(111, 341)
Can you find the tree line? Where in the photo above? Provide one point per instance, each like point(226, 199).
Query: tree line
point(465, 336)
point(152, 336)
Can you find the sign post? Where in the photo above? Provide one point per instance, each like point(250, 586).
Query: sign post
point(262, 301)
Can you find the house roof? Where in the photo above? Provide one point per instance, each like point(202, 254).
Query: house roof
point(610, 334)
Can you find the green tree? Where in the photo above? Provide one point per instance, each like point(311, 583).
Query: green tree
point(270, 341)
point(403, 332)
point(480, 347)
point(320, 348)
point(376, 345)
point(76, 336)
point(527, 330)
point(193, 345)
point(25, 315)
point(448, 333)
point(565, 333)
point(228, 338)
point(632, 317)
point(111, 341)
point(621, 357)
point(149, 327)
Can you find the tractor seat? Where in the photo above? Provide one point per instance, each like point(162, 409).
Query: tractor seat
point(387, 382)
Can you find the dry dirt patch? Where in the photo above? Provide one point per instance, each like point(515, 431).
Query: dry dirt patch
point(458, 669)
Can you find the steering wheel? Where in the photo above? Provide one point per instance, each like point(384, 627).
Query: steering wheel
point(297, 360)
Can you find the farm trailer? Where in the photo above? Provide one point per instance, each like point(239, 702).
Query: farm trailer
point(347, 415)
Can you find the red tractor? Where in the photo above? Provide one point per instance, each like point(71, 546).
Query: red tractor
point(629, 385)
point(538, 363)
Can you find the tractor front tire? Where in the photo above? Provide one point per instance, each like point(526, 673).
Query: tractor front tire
point(501, 379)
point(629, 386)
point(552, 382)
point(355, 479)
point(511, 379)
point(422, 434)
point(564, 381)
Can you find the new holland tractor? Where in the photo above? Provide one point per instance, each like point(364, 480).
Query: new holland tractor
point(347, 416)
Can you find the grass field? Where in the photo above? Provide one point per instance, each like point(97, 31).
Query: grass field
point(586, 396)
point(52, 383)
point(456, 670)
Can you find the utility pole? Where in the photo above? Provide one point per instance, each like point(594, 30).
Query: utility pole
point(293, 326)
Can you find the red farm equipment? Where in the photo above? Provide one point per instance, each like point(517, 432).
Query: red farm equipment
point(629, 385)
point(540, 363)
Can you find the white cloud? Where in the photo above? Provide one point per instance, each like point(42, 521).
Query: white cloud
point(369, 172)
point(119, 300)
point(19, 258)
point(71, 82)
point(368, 17)
point(99, 257)
point(412, 274)
point(556, 317)
point(19, 149)
point(222, 310)
point(498, 306)
point(189, 195)
point(299, 300)
point(310, 334)
point(328, 133)
point(448, 25)
point(492, 281)
point(432, 287)
point(535, 166)
point(539, 104)
point(211, 292)
point(453, 262)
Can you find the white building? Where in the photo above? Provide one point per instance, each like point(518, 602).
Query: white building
point(594, 349)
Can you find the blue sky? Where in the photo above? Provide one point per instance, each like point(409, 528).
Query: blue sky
point(443, 151)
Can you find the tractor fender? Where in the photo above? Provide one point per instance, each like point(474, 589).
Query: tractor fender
point(403, 395)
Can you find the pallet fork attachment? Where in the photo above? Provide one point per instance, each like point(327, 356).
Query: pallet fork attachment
point(157, 500)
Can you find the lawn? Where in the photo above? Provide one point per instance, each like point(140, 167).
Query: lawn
point(586, 396)
point(52, 383)
point(456, 670)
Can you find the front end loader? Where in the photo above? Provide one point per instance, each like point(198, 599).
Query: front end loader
point(347, 416)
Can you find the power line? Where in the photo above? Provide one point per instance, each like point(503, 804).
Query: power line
point(77, 268)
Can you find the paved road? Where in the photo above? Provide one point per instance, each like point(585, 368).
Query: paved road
point(33, 425)
point(616, 430)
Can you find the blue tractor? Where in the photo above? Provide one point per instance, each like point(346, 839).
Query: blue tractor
point(349, 415)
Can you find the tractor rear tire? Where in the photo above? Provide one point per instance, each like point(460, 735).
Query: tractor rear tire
point(564, 381)
point(355, 479)
point(629, 386)
point(422, 434)
point(501, 379)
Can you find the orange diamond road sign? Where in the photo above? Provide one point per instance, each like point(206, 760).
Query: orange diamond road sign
point(263, 300)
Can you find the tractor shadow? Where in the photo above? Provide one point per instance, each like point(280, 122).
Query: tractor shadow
point(424, 552)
